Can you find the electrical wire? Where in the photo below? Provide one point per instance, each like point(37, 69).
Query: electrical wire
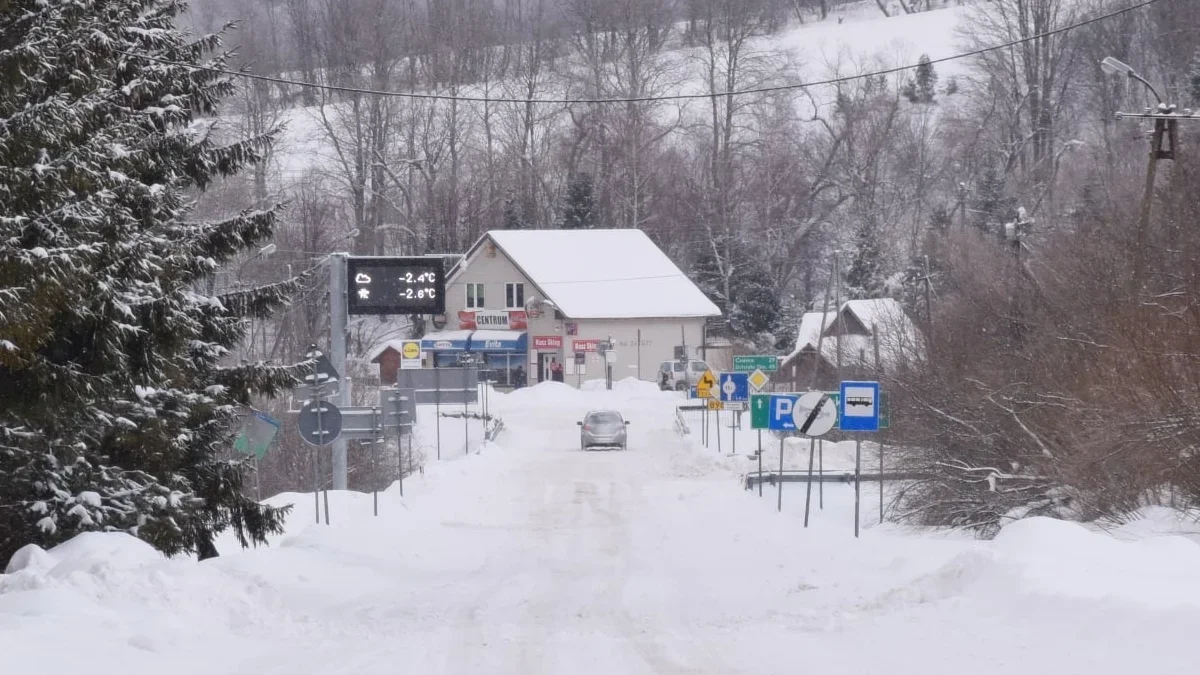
point(637, 99)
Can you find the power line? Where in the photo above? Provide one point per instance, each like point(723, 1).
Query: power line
point(637, 99)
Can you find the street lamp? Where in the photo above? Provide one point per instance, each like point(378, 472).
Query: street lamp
point(1114, 66)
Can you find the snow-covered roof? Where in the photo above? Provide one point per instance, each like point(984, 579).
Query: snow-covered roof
point(810, 327)
point(899, 338)
point(603, 274)
point(378, 350)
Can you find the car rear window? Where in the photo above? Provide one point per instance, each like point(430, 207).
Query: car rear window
point(605, 418)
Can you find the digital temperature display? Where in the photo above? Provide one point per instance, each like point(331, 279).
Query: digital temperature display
point(382, 285)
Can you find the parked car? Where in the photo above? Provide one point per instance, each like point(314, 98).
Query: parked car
point(603, 429)
point(679, 376)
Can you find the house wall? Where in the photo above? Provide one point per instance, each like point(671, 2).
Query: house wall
point(658, 335)
point(493, 271)
point(389, 363)
point(658, 340)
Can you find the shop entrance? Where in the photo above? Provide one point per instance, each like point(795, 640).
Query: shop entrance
point(545, 362)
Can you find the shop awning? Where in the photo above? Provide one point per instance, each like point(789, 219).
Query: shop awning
point(476, 341)
point(446, 341)
point(499, 341)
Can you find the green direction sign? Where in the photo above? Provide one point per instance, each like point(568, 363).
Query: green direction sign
point(759, 403)
point(747, 364)
point(257, 433)
point(885, 409)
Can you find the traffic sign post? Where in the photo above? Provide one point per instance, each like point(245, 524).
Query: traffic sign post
point(814, 414)
point(759, 411)
point(704, 386)
point(812, 411)
point(758, 380)
point(320, 423)
point(734, 387)
point(859, 406)
point(765, 363)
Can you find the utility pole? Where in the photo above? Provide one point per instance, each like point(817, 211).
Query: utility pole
point(338, 328)
point(928, 307)
point(1163, 141)
point(1015, 234)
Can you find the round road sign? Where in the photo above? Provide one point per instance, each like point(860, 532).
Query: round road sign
point(412, 350)
point(323, 428)
point(814, 413)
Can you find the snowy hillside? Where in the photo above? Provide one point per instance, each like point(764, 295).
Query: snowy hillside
point(530, 556)
point(861, 41)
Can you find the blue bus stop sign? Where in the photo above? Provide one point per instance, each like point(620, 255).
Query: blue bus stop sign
point(859, 403)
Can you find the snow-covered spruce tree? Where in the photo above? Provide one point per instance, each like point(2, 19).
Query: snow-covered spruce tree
point(747, 297)
point(115, 406)
point(512, 213)
point(866, 278)
point(579, 209)
point(923, 87)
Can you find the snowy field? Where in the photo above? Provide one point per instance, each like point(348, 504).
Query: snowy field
point(529, 556)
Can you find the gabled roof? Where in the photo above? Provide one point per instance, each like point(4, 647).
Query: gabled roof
point(899, 338)
point(810, 326)
point(601, 274)
point(378, 350)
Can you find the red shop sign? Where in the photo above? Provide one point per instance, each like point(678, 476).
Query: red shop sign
point(547, 342)
point(589, 345)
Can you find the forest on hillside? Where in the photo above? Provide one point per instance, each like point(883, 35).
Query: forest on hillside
point(998, 196)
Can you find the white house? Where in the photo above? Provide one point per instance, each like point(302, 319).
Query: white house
point(877, 336)
point(533, 298)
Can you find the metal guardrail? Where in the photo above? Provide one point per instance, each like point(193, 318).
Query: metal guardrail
point(681, 424)
point(494, 426)
point(827, 476)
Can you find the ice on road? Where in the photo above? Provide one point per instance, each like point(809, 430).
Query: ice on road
point(533, 557)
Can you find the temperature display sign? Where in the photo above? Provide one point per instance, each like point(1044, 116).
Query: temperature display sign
point(395, 286)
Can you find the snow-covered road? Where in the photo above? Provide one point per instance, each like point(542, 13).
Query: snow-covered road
point(533, 557)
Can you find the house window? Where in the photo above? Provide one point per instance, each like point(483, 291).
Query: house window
point(474, 296)
point(514, 296)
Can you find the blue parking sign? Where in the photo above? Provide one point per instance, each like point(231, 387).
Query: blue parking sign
point(779, 412)
point(859, 403)
point(734, 386)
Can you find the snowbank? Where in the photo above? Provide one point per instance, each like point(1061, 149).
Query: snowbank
point(533, 555)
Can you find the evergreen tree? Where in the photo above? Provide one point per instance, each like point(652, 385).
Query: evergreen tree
point(755, 309)
point(923, 88)
point(865, 278)
point(578, 209)
point(751, 305)
point(512, 214)
point(115, 405)
point(991, 206)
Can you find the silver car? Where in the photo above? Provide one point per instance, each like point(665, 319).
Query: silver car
point(603, 429)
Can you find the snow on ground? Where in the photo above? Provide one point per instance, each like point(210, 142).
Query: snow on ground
point(531, 556)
